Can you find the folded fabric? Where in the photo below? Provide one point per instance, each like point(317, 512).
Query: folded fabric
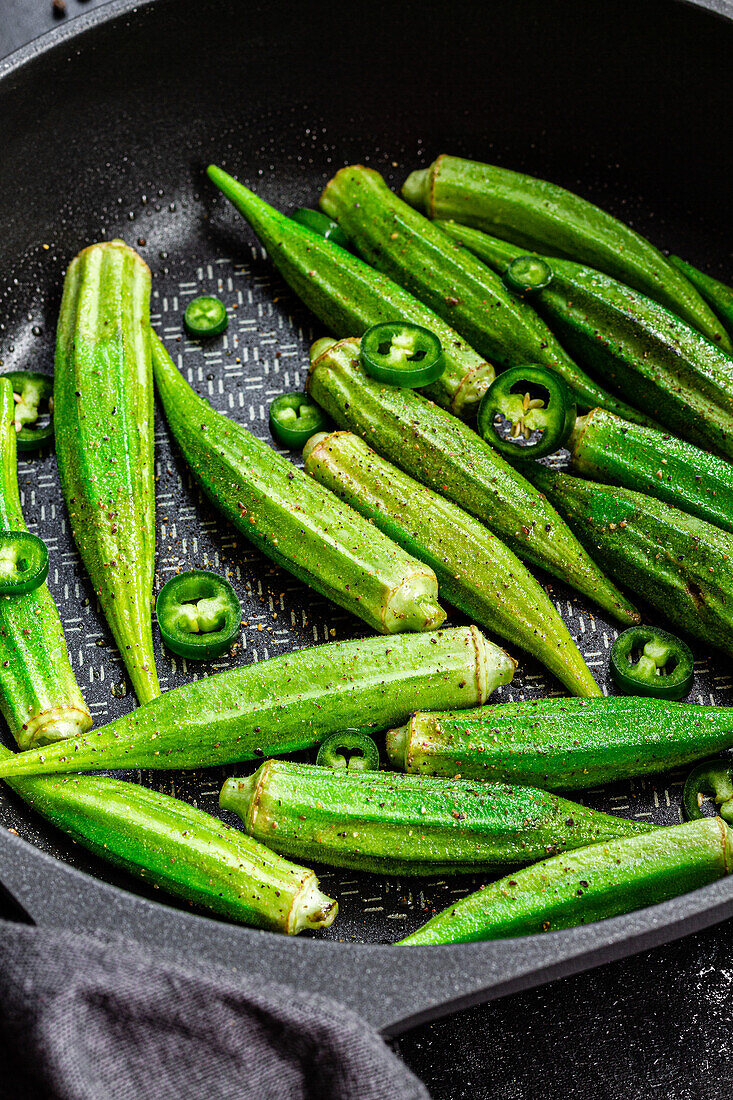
point(82, 1019)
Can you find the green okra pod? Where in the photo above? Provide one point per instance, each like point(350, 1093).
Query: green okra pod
point(443, 453)
point(600, 881)
point(103, 415)
point(287, 703)
point(407, 824)
point(544, 217)
point(476, 572)
point(678, 563)
point(349, 297)
point(675, 376)
point(561, 744)
point(414, 252)
point(606, 448)
point(718, 295)
point(298, 524)
point(39, 696)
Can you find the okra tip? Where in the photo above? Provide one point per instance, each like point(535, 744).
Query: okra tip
point(415, 188)
point(311, 908)
point(397, 742)
point(321, 346)
point(236, 794)
point(494, 666)
point(313, 442)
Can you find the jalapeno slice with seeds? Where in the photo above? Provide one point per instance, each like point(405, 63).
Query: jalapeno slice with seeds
point(402, 354)
point(527, 275)
point(350, 750)
point(322, 225)
point(527, 412)
point(294, 418)
point(33, 397)
point(205, 316)
point(711, 779)
point(651, 662)
point(199, 614)
point(23, 562)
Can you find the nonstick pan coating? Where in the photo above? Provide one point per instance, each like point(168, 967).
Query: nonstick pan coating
point(106, 129)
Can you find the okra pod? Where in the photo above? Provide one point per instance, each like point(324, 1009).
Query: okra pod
point(407, 824)
point(444, 454)
point(561, 744)
point(678, 563)
point(298, 524)
point(414, 252)
point(544, 217)
point(349, 297)
point(718, 295)
point(287, 703)
point(39, 696)
point(591, 884)
point(103, 415)
point(675, 376)
point(476, 572)
point(606, 448)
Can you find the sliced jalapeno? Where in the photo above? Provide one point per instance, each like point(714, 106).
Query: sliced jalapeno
point(402, 354)
point(711, 779)
point(527, 275)
point(205, 316)
point(33, 396)
point(199, 614)
point(527, 412)
point(294, 418)
point(23, 562)
point(349, 750)
point(648, 661)
point(321, 224)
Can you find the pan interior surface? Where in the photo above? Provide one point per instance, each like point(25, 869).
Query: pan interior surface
point(107, 131)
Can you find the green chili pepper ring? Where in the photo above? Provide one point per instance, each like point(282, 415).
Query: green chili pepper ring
point(33, 396)
point(349, 750)
point(528, 275)
point(651, 662)
point(532, 399)
point(199, 614)
point(294, 418)
point(402, 354)
point(712, 777)
point(205, 316)
point(23, 563)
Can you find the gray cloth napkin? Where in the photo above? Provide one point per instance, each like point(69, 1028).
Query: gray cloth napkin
point(82, 1019)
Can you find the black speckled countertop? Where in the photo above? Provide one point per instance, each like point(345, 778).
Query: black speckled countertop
point(654, 1026)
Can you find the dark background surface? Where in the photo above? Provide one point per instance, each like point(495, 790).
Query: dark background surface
point(657, 1025)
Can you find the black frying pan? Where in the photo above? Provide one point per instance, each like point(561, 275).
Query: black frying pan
point(106, 126)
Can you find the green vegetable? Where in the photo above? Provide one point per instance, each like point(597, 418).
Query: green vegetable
point(294, 418)
point(561, 744)
point(205, 316)
point(648, 661)
point(679, 564)
point(39, 697)
point(712, 778)
point(541, 216)
point(199, 614)
point(606, 448)
point(401, 354)
point(180, 849)
point(23, 563)
point(417, 254)
point(287, 703)
point(476, 572)
point(350, 750)
point(446, 455)
point(297, 524)
point(675, 376)
point(531, 399)
point(349, 297)
point(600, 881)
point(33, 396)
point(718, 295)
point(319, 223)
point(103, 409)
point(409, 825)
